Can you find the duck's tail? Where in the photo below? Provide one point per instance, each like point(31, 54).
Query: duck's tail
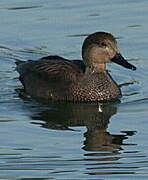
point(18, 62)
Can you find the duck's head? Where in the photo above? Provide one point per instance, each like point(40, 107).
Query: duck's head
point(100, 48)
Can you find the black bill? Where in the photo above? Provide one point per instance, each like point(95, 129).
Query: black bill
point(119, 59)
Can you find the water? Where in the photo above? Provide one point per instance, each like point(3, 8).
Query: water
point(65, 140)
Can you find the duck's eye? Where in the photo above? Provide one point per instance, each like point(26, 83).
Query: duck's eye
point(103, 44)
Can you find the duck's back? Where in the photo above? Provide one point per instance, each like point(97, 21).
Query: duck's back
point(50, 77)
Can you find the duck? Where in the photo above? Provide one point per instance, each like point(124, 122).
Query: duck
point(59, 79)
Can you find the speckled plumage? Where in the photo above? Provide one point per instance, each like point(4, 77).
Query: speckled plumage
point(56, 78)
point(98, 86)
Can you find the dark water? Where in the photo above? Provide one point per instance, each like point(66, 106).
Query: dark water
point(65, 140)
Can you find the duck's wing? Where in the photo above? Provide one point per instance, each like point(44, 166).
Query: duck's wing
point(52, 67)
point(79, 63)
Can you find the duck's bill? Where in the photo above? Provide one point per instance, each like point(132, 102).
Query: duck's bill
point(119, 59)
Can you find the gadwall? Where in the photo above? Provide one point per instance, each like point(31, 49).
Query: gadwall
point(56, 78)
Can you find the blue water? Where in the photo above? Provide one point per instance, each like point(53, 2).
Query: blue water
point(65, 140)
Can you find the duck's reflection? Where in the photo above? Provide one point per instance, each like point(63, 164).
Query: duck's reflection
point(66, 116)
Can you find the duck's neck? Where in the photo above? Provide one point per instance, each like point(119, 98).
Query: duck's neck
point(96, 68)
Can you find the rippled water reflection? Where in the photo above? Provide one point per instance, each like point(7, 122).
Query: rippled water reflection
point(65, 140)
